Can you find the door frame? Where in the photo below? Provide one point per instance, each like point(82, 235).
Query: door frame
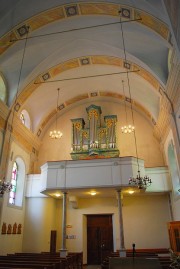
point(85, 243)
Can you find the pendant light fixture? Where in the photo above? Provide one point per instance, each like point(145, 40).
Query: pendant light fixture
point(139, 182)
point(56, 134)
point(128, 128)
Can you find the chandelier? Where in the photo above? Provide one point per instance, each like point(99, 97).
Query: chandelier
point(127, 129)
point(5, 187)
point(56, 134)
point(140, 182)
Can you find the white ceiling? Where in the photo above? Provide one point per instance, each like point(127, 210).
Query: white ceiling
point(27, 59)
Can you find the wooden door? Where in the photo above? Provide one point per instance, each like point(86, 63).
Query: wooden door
point(174, 235)
point(99, 238)
point(53, 241)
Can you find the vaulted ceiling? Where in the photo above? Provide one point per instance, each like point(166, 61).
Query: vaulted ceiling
point(86, 49)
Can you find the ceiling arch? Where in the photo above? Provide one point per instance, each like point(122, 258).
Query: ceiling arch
point(82, 9)
point(99, 60)
point(93, 95)
point(50, 75)
point(83, 40)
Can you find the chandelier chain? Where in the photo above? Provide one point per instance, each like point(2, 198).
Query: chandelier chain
point(56, 134)
point(127, 128)
point(140, 182)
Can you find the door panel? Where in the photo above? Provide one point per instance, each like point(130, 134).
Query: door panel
point(99, 238)
point(53, 241)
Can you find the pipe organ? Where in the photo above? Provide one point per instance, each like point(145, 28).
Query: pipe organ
point(95, 140)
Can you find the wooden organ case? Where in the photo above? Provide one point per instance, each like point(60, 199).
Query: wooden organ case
point(95, 140)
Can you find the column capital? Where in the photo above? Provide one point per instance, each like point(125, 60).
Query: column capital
point(119, 190)
point(64, 192)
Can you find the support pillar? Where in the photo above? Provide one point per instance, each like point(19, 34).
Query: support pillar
point(122, 250)
point(63, 250)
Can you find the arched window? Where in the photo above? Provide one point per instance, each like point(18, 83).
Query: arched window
point(22, 118)
point(3, 91)
point(12, 195)
point(18, 182)
point(25, 119)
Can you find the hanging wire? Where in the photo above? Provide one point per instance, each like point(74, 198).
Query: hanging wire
point(55, 134)
point(16, 96)
point(57, 107)
point(128, 128)
point(75, 29)
point(124, 101)
point(128, 82)
point(140, 182)
point(6, 186)
point(84, 77)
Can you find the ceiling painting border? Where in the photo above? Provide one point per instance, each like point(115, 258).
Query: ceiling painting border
point(81, 97)
point(51, 73)
point(82, 9)
point(78, 62)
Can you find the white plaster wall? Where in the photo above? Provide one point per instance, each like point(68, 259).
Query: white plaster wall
point(178, 120)
point(148, 147)
point(110, 172)
point(145, 222)
point(176, 210)
point(10, 243)
point(175, 198)
point(11, 214)
point(40, 219)
point(1, 141)
point(17, 151)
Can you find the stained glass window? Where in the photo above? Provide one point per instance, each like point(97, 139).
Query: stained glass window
point(12, 194)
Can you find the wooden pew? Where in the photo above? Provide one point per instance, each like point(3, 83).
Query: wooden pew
point(139, 253)
point(30, 261)
point(25, 265)
point(72, 261)
point(135, 263)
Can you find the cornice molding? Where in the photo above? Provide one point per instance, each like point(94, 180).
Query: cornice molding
point(4, 112)
point(24, 136)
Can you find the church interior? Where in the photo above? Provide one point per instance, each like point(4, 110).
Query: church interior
point(89, 126)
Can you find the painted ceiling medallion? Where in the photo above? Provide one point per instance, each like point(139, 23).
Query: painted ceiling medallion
point(23, 30)
point(46, 76)
point(61, 107)
point(39, 132)
point(71, 11)
point(85, 61)
point(93, 94)
point(128, 99)
point(126, 13)
point(127, 65)
point(17, 107)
